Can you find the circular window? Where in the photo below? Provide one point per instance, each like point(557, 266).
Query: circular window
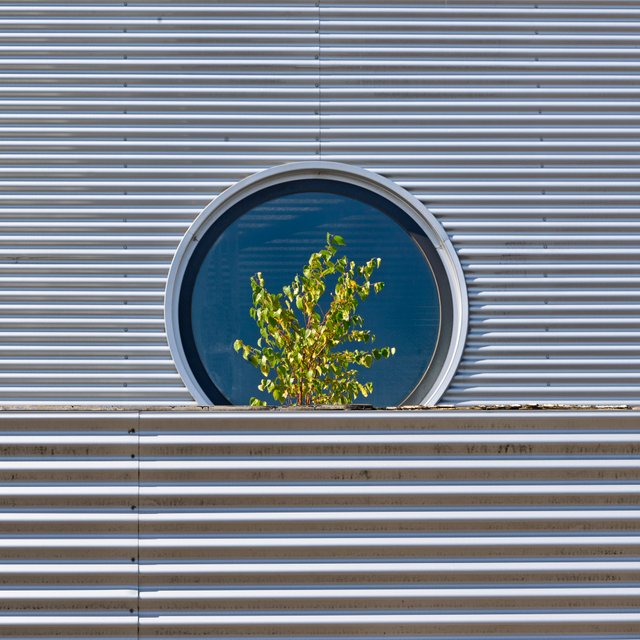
point(271, 223)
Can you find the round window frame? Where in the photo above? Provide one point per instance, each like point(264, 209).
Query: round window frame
point(455, 315)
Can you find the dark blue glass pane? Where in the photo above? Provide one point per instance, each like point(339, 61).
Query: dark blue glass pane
point(277, 237)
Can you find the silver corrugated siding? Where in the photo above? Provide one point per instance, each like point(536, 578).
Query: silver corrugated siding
point(437, 524)
point(68, 524)
point(429, 525)
point(515, 122)
point(119, 121)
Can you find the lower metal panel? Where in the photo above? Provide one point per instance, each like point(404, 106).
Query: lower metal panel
point(68, 524)
point(430, 524)
point(424, 524)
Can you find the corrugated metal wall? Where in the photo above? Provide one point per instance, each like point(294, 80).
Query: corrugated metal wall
point(434, 524)
point(69, 524)
point(515, 122)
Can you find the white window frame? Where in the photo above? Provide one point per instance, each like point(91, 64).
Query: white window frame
point(334, 171)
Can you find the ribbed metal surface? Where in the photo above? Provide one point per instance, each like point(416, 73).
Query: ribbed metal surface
point(68, 525)
point(515, 122)
point(330, 524)
point(118, 123)
point(447, 524)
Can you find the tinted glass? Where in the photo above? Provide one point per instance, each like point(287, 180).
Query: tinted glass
point(276, 235)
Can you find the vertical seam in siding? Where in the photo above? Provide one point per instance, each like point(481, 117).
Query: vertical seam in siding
point(138, 426)
point(319, 79)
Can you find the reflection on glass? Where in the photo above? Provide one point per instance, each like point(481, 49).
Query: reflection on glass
point(277, 237)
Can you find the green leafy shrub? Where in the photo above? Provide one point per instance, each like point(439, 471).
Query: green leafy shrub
point(302, 351)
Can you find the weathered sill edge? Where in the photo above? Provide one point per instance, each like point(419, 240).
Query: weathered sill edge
point(141, 407)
